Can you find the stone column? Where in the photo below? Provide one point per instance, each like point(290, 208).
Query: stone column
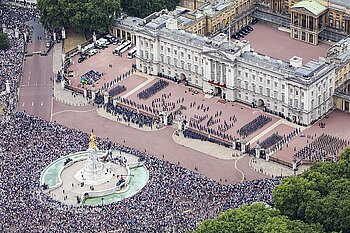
point(257, 153)
point(267, 157)
point(16, 33)
point(222, 73)
point(94, 37)
point(165, 118)
point(54, 36)
point(106, 97)
point(210, 70)
point(85, 93)
point(63, 33)
point(8, 88)
point(180, 124)
point(93, 94)
point(215, 72)
point(63, 83)
point(294, 165)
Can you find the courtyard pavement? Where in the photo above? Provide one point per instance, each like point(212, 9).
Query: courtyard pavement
point(269, 40)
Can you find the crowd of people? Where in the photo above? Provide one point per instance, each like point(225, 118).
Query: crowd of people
point(11, 61)
point(256, 124)
point(138, 106)
point(174, 199)
point(189, 133)
point(211, 131)
point(271, 140)
point(325, 147)
point(116, 90)
point(131, 116)
point(152, 90)
point(90, 77)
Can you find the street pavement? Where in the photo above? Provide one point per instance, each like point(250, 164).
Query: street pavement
point(35, 92)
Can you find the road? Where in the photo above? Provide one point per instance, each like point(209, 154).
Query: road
point(35, 93)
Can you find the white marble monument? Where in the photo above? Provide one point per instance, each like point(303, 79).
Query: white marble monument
point(94, 172)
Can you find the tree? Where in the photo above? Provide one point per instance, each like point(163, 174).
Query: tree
point(320, 195)
point(4, 41)
point(143, 8)
point(80, 15)
point(256, 218)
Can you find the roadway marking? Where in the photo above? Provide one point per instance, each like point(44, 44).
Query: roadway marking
point(239, 169)
point(51, 107)
point(266, 131)
point(36, 85)
point(32, 103)
point(76, 111)
point(138, 87)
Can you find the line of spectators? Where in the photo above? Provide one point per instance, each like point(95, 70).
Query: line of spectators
point(116, 90)
point(13, 18)
point(270, 141)
point(152, 90)
point(131, 116)
point(325, 147)
point(254, 125)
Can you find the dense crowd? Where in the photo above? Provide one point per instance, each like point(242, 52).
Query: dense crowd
point(173, 199)
point(189, 133)
point(11, 60)
point(254, 125)
point(271, 140)
point(152, 90)
point(90, 77)
point(325, 147)
point(116, 90)
point(15, 17)
point(131, 116)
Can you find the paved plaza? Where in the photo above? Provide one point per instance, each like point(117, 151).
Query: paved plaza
point(106, 63)
point(269, 40)
point(337, 124)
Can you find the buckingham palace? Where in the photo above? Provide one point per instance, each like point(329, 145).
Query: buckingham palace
point(233, 71)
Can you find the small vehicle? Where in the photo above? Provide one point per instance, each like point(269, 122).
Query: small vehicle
point(243, 32)
point(81, 59)
point(92, 52)
point(254, 21)
point(97, 46)
point(48, 44)
point(240, 34)
point(249, 28)
point(235, 36)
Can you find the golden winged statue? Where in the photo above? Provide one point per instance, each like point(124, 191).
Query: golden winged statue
point(92, 141)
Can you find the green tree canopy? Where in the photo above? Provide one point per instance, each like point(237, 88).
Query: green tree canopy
point(256, 218)
point(4, 41)
point(80, 15)
point(143, 8)
point(321, 195)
